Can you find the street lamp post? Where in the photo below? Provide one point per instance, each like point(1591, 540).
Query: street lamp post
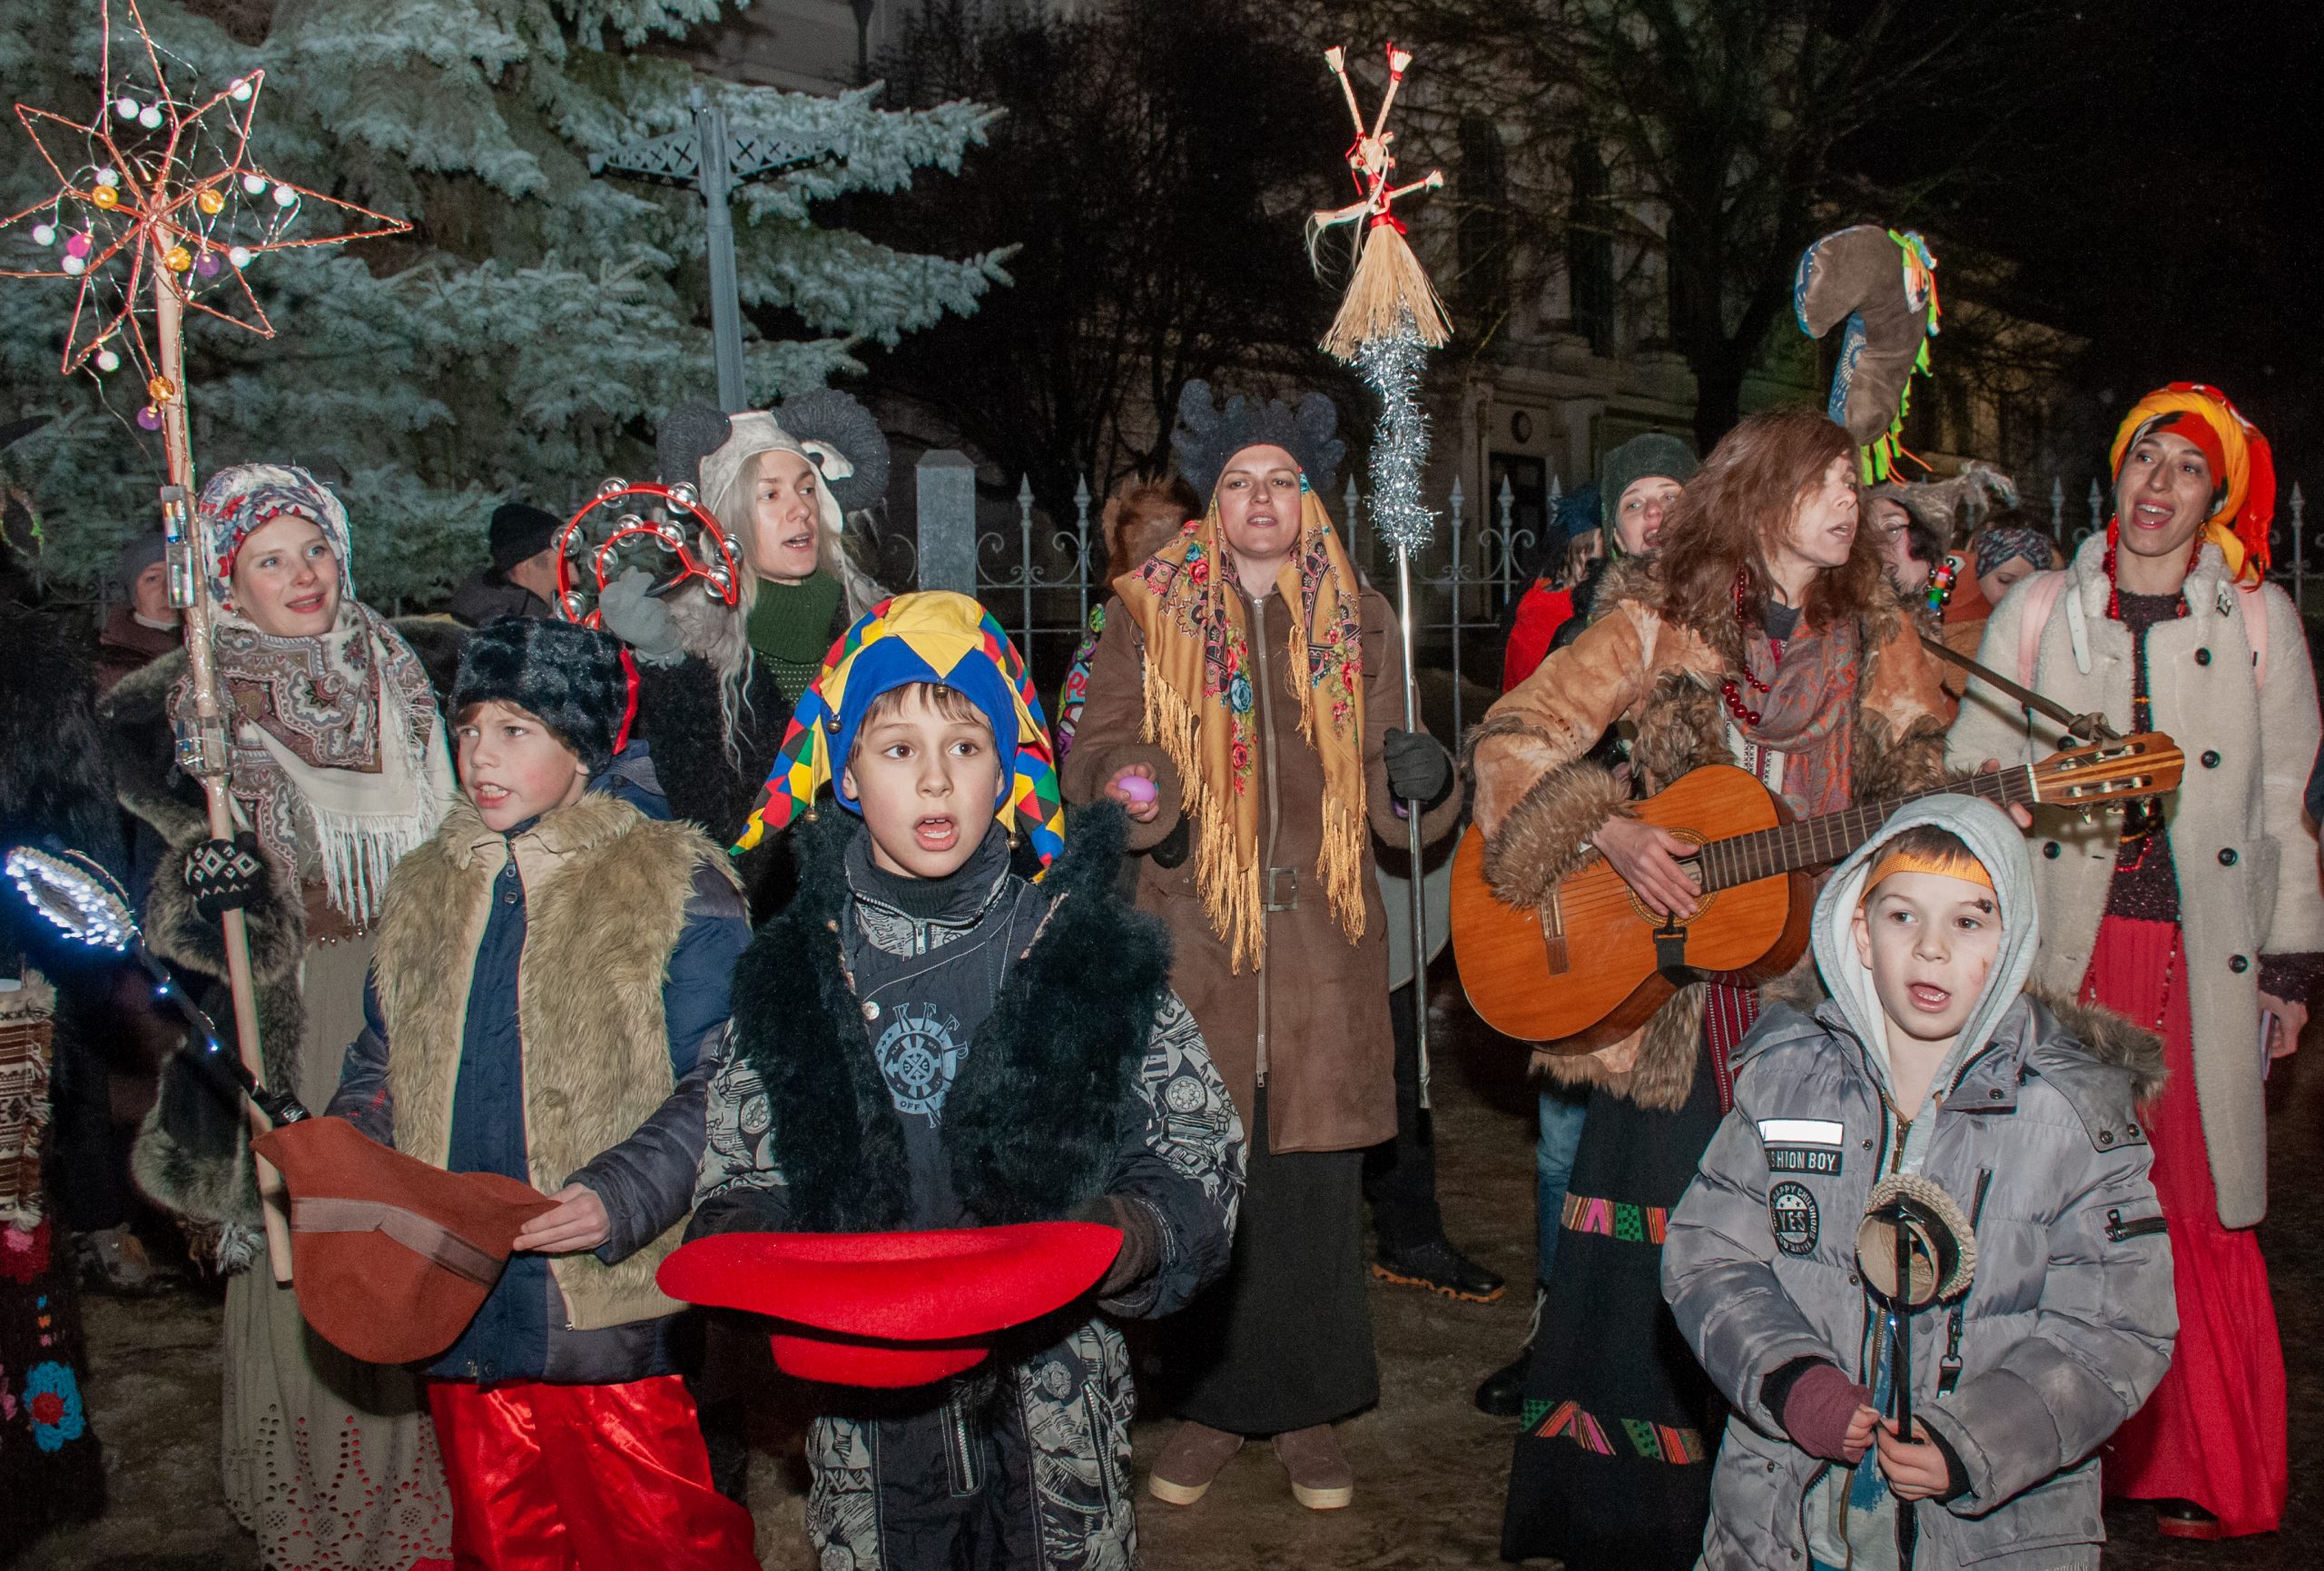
point(713, 161)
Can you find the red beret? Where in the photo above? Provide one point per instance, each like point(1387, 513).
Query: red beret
point(895, 1309)
point(391, 1258)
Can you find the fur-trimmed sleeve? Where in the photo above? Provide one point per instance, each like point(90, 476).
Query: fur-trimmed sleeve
point(1537, 796)
point(1902, 715)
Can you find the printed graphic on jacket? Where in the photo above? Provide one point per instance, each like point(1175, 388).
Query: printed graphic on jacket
point(919, 1053)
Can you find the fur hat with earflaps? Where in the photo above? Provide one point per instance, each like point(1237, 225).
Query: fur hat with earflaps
point(569, 678)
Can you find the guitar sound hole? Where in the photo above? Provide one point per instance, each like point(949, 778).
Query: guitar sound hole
point(1703, 902)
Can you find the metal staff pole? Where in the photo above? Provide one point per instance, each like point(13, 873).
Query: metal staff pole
point(1419, 889)
point(201, 752)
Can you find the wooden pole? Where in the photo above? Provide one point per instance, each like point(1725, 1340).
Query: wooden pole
point(208, 759)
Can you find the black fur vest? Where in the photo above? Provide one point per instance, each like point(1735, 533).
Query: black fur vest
point(1032, 1126)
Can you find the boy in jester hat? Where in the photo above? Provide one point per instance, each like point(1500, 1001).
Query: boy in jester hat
point(2013, 1117)
point(926, 1040)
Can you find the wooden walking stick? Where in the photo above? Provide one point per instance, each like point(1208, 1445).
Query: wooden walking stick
point(159, 208)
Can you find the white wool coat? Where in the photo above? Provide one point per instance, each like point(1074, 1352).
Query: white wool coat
point(2245, 855)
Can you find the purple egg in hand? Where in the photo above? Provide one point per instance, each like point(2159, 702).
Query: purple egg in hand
point(1136, 787)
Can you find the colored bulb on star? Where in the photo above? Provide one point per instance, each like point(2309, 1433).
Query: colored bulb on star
point(161, 389)
point(150, 418)
point(44, 234)
point(207, 264)
point(108, 360)
point(78, 245)
point(151, 117)
point(108, 176)
point(239, 256)
point(178, 258)
point(127, 108)
point(73, 265)
point(284, 196)
point(253, 183)
point(240, 90)
point(210, 201)
point(105, 197)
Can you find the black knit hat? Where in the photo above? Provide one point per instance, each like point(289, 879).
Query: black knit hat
point(568, 677)
point(520, 530)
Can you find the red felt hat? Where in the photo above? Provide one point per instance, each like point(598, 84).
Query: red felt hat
point(893, 1308)
point(391, 1258)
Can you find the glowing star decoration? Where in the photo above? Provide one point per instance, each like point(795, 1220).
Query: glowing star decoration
point(151, 191)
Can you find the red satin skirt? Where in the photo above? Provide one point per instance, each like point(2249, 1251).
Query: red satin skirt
point(583, 1478)
point(2214, 1430)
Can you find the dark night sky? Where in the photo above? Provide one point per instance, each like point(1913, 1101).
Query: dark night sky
point(2158, 183)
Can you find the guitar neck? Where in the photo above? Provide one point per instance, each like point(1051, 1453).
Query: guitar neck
point(1822, 841)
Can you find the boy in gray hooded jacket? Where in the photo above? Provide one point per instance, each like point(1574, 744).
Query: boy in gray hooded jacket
point(1928, 1059)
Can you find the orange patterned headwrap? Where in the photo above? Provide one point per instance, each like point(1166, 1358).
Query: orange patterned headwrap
point(2243, 468)
point(1958, 864)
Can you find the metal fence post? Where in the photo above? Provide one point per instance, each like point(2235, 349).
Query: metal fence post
point(946, 493)
point(2058, 511)
point(1025, 556)
point(1454, 505)
point(1347, 500)
point(1081, 542)
point(2298, 550)
point(2097, 510)
point(1508, 500)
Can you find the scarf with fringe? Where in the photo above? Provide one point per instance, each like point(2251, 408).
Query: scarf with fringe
point(1201, 710)
point(339, 733)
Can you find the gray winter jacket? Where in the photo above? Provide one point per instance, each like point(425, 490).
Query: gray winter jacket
point(2068, 1322)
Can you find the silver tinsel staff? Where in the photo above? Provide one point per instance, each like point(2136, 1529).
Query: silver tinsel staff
point(1385, 327)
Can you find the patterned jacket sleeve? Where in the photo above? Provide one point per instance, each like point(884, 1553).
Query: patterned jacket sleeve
point(1181, 1158)
point(739, 1188)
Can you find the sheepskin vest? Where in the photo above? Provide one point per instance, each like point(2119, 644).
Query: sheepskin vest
point(606, 892)
point(1032, 1126)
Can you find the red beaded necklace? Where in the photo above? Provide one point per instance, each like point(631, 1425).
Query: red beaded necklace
point(1743, 712)
point(2114, 587)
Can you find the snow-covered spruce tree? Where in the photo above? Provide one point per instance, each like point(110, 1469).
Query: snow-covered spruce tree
point(524, 337)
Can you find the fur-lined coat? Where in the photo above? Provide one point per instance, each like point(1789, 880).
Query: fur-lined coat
point(1538, 798)
point(1087, 1078)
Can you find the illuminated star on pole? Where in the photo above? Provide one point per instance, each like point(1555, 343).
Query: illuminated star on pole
point(158, 187)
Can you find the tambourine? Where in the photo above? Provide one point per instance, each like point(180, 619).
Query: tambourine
point(662, 530)
point(1916, 1247)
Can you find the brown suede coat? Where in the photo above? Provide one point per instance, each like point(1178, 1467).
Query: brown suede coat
point(1538, 798)
point(1319, 1009)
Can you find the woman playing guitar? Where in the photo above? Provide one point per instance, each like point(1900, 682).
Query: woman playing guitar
point(1763, 633)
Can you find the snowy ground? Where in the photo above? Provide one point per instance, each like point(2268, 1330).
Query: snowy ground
point(1430, 1468)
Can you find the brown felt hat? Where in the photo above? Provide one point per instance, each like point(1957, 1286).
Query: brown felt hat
point(391, 1257)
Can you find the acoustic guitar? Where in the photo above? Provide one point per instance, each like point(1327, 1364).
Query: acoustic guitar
point(1590, 965)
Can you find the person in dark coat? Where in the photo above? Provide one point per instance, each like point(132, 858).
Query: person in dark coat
point(624, 930)
point(926, 1040)
point(144, 626)
point(521, 580)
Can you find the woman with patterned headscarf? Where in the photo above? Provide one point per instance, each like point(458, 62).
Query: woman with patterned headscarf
point(1243, 706)
point(337, 766)
point(2200, 917)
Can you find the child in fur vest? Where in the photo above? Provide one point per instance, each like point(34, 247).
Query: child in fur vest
point(567, 1436)
point(2013, 1119)
point(925, 1039)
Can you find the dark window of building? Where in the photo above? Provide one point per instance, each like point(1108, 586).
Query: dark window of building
point(1484, 232)
point(1589, 250)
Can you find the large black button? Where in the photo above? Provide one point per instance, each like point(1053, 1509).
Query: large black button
point(2203, 656)
point(2239, 963)
point(2050, 849)
point(2227, 857)
point(2211, 759)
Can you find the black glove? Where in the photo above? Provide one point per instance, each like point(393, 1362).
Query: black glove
point(1419, 769)
point(225, 876)
point(1141, 1242)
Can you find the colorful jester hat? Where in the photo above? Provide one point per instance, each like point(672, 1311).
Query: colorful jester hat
point(935, 636)
point(1883, 285)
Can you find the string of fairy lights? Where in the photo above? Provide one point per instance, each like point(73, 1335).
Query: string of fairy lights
point(159, 184)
